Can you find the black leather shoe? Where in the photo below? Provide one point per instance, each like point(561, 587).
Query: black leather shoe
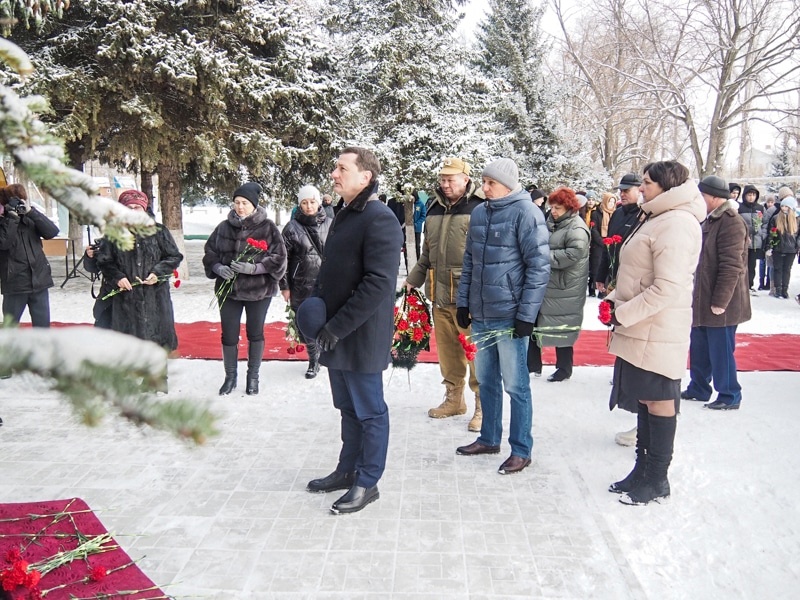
point(686, 395)
point(559, 375)
point(334, 481)
point(720, 405)
point(476, 448)
point(355, 499)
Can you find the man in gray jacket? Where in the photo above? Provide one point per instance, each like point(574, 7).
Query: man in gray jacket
point(503, 280)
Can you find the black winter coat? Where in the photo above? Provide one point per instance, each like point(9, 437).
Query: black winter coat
point(23, 266)
point(305, 237)
point(226, 244)
point(146, 310)
point(621, 223)
point(357, 281)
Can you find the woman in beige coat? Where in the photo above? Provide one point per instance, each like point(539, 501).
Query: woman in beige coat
point(652, 315)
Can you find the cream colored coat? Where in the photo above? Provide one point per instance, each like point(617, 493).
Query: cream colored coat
point(653, 296)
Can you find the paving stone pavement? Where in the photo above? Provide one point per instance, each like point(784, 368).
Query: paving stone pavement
point(232, 519)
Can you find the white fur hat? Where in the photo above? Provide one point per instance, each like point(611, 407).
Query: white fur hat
point(308, 191)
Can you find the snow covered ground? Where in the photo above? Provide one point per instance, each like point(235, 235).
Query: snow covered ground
point(446, 526)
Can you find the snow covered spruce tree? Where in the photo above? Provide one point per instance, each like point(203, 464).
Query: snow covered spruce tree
point(211, 89)
point(510, 54)
point(405, 90)
point(92, 380)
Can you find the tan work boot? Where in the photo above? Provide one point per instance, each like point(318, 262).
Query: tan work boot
point(453, 404)
point(477, 419)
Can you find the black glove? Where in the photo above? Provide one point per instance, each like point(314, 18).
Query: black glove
point(247, 268)
point(462, 317)
point(522, 329)
point(14, 207)
point(223, 271)
point(614, 319)
point(326, 341)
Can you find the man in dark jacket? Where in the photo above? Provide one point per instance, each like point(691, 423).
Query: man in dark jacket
point(753, 214)
point(24, 271)
point(357, 283)
point(505, 273)
point(621, 224)
point(720, 300)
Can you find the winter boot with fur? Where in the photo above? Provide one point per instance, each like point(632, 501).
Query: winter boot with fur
point(655, 485)
point(230, 356)
point(255, 352)
point(636, 476)
point(453, 404)
point(313, 361)
point(477, 419)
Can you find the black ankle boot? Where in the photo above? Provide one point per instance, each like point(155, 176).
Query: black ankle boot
point(655, 485)
point(255, 352)
point(313, 361)
point(230, 356)
point(636, 476)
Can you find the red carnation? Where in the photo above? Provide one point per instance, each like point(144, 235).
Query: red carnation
point(97, 573)
point(591, 223)
point(774, 230)
point(462, 339)
point(617, 239)
point(605, 313)
point(402, 325)
point(12, 555)
point(608, 241)
point(426, 327)
point(32, 579)
point(35, 594)
point(290, 350)
point(177, 283)
point(417, 335)
point(396, 310)
point(299, 348)
point(175, 274)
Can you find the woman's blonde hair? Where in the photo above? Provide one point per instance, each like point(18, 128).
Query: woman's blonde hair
point(786, 222)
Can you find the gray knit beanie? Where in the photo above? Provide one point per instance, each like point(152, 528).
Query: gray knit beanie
point(503, 170)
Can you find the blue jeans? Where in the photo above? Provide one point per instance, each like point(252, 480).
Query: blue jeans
point(365, 424)
point(502, 362)
point(711, 358)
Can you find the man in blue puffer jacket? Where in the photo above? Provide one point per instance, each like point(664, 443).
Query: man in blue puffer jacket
point(503, 280)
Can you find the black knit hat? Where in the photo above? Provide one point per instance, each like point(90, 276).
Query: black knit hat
point(251, 191)
point(714, 186)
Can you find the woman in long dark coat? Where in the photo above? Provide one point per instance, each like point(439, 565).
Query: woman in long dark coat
point(144, 310)
point(255, 280)
point(305, 237)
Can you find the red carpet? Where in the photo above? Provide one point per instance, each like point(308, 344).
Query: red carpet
point(753, 352)
point(32, 534)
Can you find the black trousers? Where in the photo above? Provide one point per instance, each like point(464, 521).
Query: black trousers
point(230, 316)
point(38, 304)
point(752, 255)
point(564, 358)
point(781, 271)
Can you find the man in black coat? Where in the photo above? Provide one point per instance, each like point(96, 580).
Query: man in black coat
point(357, 283)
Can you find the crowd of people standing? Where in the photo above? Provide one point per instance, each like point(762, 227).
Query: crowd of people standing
point(674, 261)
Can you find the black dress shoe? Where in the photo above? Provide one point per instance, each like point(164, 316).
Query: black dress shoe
point(355, 499)
point(476, 448)
point(686, 395)
point(720, 405)
point(559, 375)
point(334, 481)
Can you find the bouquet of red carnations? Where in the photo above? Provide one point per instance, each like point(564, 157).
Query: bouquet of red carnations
point(412, 329)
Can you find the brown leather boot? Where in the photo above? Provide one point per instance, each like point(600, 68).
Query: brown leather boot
point(477, 419)
point(453, 404)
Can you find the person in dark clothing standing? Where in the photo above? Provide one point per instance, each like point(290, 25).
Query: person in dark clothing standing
point(304, 237)
point(720, 300)
point(102, 308)
point(753, 214)
point(621, 223)
point(143, 310)
point(356, 286)
point(255, 280)
point(25, 276)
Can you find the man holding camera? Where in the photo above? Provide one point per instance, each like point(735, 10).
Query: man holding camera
point(24, 271)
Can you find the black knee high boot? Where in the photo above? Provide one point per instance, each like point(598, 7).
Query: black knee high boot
point(313, 360)
point(655, 485)
point(636, 476)
point(230, 354)
point(255, 352)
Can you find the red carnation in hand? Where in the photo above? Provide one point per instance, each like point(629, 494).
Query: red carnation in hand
point(617, 239)
point(605, 313)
